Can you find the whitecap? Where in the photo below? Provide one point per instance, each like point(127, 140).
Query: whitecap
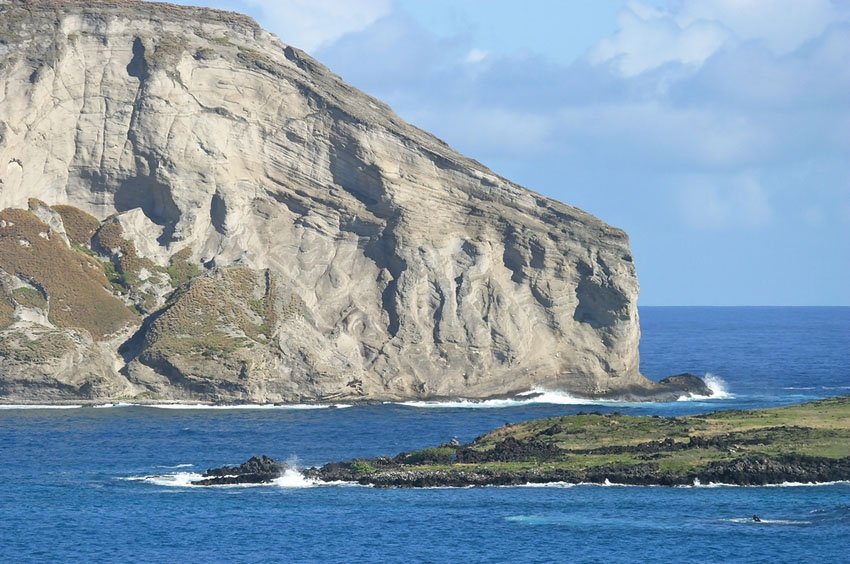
point(531, 397)
point(294, 479)
point(291, 479)
point(534, 520)
point(294, 406)
point(175, 480)
point(697, 484)
point(187, 465)
point(37, 406)
point(718, 387)
point(767, 521)
point(543, 485)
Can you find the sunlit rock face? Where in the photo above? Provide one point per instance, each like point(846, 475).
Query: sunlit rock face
point(291, 238)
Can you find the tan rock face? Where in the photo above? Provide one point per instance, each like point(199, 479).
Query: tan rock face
point(407, 269)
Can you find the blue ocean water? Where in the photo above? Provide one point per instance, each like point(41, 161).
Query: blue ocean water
point(77, 483)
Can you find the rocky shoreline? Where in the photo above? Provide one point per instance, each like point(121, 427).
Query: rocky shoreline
point(256, 470)
point(806, 443)
point(671, 388)
point(745, 471)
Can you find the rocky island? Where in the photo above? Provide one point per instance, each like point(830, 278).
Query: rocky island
point(192, 210)
point(806, 443)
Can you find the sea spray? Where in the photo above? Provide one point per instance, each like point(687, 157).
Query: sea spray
point(718, 387)
point(536, 396)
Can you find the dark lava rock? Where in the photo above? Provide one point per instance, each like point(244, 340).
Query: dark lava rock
point(757, 470)
point(686, 383)
point(256, 470)
point(511, 450)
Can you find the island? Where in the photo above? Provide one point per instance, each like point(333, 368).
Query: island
point(803, 443)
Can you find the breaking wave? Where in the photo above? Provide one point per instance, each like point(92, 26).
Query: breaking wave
point(294, 406)
point(534, 396)
point(697, 484)
point(291, 479)
point(718, 387)
point(205, 406)
point(34, 406)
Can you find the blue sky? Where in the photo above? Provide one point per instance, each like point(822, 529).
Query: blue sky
point(715, 132)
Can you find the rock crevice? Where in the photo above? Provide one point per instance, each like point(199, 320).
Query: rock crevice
point(230, 158)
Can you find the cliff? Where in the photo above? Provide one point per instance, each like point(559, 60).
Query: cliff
point(197, 211)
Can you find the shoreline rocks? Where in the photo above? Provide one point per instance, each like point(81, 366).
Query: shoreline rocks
point(745, 471)
point(256, 470)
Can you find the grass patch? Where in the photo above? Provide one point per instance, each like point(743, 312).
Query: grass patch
point(80, 294)
point(44, 347)
point(434, 455)
point(79, 225)
point(211, 323)
point(674, 448)
point(181, 269)
point(362, 468)
point(29, 297)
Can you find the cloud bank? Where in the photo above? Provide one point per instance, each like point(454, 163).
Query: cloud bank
point(717, 129)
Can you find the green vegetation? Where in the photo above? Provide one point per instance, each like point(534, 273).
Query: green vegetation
point(167, 52)
point(433, 455)
point(743, 446)
point(76, 284)
point(211, 319)
point(45, 346)
point(79, 226)
point(362, 467)
point(180, 269)
point(7, 310)
point(126, 266)
point(29, 297)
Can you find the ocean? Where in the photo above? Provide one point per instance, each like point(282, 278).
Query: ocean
point(109, 484)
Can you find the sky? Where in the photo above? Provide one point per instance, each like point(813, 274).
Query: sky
point(715, 132)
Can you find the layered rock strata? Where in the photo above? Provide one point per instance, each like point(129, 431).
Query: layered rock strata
point(273, 234)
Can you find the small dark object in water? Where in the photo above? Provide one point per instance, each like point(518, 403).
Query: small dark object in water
point(756, 519)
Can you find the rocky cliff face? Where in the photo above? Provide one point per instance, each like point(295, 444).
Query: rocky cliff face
point(243, 226)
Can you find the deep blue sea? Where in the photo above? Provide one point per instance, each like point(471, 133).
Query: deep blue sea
point(104, 484)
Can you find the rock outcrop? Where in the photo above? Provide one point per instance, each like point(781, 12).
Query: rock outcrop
point(244, 226)
point(256, 470)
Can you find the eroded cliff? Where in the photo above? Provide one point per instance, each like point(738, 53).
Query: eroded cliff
point(265, 232)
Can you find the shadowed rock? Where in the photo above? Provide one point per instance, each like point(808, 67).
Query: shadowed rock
point(256, 470)
point(339, 253)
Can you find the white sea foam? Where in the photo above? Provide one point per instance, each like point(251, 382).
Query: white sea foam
point(531, 397)
point(716, 384)
point(537, 519)
point(176, 479)
point(543, 485)
point(298, 406)
point(697, 484)
point(292, 478)
point(34, 406)
point(767, 521)
point(177, 466)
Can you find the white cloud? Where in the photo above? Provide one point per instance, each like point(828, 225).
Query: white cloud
point(311, 24)
point(781, 25)
point(691, 31)
point(475, 56)
point(712, 202)
point(649, 38)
